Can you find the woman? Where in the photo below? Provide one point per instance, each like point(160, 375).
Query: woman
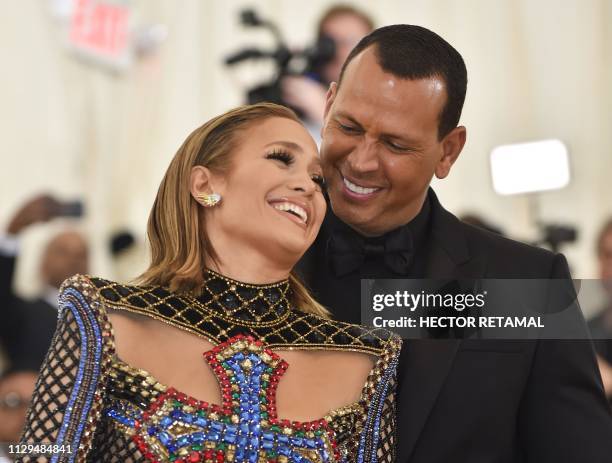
point(279, 382)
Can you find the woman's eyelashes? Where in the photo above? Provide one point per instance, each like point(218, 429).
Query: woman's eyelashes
point(288, 159)
point(319, 180)
point(282, 156)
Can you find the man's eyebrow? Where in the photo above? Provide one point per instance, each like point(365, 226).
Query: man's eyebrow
point(403, 137)
point(287, 144)
point(349, 118)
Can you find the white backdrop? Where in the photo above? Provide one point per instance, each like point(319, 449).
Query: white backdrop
point(537, 69)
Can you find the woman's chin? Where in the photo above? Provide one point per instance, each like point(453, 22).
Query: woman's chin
point(288, 247)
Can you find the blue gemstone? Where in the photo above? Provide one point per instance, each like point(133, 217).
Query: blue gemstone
point(230, 438)
point(267, 445)
point(254, 441)
point(298, 441)
point(166, 421)
point(172, 448)
point(216, 426)
point(187, 418)
point(197, 437)
point(283, 438)
point(164, 438)
point(152, 430)
point(268, 436)
point(200, 421)
point(310, 443)
point(239, 454)
point(183, 441)
point(213, 436)
point(176, 414)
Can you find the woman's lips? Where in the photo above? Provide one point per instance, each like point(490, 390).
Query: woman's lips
point(297, 212)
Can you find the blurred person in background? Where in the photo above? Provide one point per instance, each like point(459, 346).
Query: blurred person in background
point(601, 325)
point(26, 326)
point(15, 391)
point(345, 25)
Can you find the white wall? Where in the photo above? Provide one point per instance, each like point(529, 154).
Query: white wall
point(536, 70)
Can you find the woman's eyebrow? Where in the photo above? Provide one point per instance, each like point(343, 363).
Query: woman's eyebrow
point(287, 144)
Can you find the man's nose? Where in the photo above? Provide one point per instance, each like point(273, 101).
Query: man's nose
point(364, 157)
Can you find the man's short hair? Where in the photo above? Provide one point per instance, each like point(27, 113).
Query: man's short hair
point(413, 52)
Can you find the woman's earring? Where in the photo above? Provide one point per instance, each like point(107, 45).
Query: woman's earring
point(209, 200)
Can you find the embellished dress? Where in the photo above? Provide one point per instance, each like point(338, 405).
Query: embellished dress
point(94, 407)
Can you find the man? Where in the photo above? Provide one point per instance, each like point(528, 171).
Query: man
point(390, 125)
point(26, 327)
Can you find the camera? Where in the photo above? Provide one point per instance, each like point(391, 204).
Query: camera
point(304, 62)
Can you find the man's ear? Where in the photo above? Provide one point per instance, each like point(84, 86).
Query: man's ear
point(451, 148)
point(330, 96)
point(201, 182)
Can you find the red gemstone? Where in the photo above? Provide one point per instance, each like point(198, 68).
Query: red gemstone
point(194, 457)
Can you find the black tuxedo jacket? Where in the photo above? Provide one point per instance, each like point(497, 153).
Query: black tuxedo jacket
point(26, 327)
point(491, 401)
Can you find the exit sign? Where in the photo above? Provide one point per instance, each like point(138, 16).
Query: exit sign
point(99, 30)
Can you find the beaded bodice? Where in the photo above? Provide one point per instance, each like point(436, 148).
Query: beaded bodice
point(128, 415)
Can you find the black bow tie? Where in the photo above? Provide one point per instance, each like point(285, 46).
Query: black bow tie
point(348, 251)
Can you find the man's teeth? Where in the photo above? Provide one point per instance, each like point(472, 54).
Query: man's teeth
point(358, 189)
point(301, 213)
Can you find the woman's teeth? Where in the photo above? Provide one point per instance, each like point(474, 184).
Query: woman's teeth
point(358, 189)
point(290, 207)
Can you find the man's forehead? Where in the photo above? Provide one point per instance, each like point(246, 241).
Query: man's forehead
point(368, 93)
point(364, 71)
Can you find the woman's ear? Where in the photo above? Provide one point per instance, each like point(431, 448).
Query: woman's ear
point(200, 182)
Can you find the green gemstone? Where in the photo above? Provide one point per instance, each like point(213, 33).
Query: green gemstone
point(221, 446)
point(264, 384)
point(299, 434)
point(318, 433)
point(274, 428)
point(271, 454)
point(264, 415)
point(178, 403)
point(172, 457)
point(202, 413)
point(196, 447)
point(235, 395)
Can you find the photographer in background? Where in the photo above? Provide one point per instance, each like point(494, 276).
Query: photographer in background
point(345, 25)
point(26, 327)
point(601, 325)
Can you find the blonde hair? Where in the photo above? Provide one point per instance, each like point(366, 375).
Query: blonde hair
point(176, 227)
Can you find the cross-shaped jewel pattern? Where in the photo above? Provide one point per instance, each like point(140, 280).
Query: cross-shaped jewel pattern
point(244, 428)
